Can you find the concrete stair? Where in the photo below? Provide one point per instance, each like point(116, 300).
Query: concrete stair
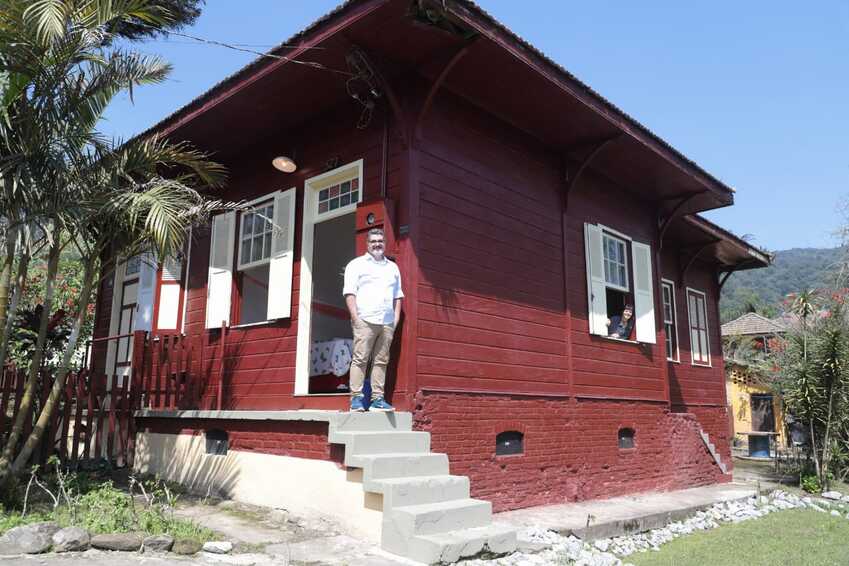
point(428, 515)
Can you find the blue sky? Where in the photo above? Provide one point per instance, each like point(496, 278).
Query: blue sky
point(755, 92)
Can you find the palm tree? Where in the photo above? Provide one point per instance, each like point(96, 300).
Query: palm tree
point(58, 73)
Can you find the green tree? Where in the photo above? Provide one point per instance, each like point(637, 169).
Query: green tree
point(67, 188)
point(814, 370)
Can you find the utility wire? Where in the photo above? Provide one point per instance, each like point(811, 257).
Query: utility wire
point(312, 64)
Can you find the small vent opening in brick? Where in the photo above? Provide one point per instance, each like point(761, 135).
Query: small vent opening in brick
point(217, 442)
point(626, 438)
point(509, 442)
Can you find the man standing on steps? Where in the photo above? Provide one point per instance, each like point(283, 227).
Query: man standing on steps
point(373, 294)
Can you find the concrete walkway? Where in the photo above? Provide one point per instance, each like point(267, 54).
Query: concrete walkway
point(591, 520)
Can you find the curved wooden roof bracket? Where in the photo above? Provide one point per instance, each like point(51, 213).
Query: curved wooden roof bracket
point(571, 180)
point(692, 260)
point(440, 79)
point(725, 277)
point(664, 223)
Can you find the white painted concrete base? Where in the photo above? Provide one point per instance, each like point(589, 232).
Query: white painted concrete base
point(263, 479)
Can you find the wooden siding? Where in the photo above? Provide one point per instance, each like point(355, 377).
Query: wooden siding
point(259, 361)
point(491, 314)
point(690, 384)
point(487, 308)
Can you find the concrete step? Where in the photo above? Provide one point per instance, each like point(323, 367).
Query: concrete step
point(433, 518)
point(398, 492)
point(359, 443)
point(400, 465)
point(446, 548)
point(370, 422)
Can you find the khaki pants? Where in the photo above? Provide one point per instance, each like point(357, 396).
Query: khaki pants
point(370, 340)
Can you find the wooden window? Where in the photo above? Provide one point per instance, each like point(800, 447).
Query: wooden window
point(610, 285)
point(670, 320)
point(699, 337)
point(264, 266)
point(255, 236)
point(615, 262)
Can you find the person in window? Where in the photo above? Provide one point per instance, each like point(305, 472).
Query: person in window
point(373, 295)
point(621, 326)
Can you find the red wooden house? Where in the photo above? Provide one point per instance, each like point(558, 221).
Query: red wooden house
point(523, 209)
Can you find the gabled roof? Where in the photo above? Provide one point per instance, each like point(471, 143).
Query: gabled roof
point(752, 323)
point(265, 101)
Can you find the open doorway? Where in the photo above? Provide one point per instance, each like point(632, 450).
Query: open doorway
point(328, 243)
point(330, 325)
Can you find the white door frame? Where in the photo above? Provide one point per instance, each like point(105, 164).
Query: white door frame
point(312, 186)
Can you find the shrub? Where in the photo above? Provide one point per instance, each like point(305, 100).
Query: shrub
point(810, 483)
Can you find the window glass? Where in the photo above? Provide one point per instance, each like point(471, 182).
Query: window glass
point(669, 322)
point(699, 345)
point(615, 266)
point(338, 196)
point(133, 266)
point(255, 237)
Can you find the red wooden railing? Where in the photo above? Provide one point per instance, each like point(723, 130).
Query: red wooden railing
point(90, 422)
point(167, 368)
point(95, 415)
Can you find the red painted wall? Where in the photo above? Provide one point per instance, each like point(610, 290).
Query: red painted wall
point(260, 360)
point(571, 448)
point(298, 439)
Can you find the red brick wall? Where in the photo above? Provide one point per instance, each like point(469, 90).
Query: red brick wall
point(283, 438)
point(571, 450)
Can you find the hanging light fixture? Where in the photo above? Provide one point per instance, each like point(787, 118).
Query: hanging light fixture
point(285, 164)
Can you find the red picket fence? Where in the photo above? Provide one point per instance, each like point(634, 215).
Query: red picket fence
point(167, 367)
point(93, 419)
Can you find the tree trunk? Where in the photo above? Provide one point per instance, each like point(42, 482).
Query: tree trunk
point(814, 447)
point(827, 441)
point(59, 383)
point(6, 284)
point(38, 355)
point(20, 282)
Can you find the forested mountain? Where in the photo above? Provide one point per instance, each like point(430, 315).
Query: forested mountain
point(764, 289)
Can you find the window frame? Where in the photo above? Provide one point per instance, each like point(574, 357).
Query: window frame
point(261, 202)
point(605, 235)
point(674, 322)
point(690, 327)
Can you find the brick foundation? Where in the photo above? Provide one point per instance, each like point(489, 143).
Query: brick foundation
point(299, 439)
point(571, 450)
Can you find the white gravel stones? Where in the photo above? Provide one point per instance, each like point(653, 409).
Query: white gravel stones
point(835, 495)
point(572, 551)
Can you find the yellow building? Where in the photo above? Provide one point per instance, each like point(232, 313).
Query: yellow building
point(757, 411)
point(748, 397)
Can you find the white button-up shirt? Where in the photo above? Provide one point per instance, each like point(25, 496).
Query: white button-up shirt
point(376, 284)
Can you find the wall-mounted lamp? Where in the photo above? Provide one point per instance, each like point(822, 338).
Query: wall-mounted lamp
point(285, 164)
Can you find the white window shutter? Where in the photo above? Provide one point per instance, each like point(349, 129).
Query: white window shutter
point(220, 283)
point(596, 288)
point(143, 319)
point(643, 293)
point(282, 256)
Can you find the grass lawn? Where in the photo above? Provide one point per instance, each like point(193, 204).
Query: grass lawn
point(798, 537)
